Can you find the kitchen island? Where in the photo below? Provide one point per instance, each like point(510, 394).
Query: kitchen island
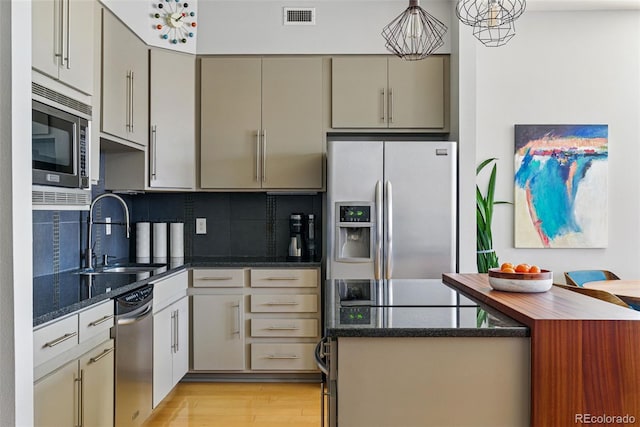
point(585, 363)
point(412, 353)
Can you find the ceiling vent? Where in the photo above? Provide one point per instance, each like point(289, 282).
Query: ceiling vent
point(299, 16)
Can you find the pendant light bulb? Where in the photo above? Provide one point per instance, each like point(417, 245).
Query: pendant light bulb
point(494, 13)
point(414, 25)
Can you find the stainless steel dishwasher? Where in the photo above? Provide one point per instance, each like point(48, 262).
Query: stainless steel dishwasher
point(134, 357)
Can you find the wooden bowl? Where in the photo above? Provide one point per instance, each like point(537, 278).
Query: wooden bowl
point(520, 282)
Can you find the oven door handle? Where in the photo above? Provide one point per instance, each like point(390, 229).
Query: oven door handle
point(135, 316)
point(320, 357)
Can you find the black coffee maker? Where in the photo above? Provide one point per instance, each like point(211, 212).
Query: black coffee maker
point(295, 237)
point(309, 232)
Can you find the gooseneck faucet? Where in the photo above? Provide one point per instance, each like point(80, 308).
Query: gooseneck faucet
point(89, 253)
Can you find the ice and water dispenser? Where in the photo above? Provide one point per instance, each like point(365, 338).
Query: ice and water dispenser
point(355, 231)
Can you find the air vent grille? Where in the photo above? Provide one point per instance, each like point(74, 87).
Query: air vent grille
point(299, 16)
point(60, 197)
point(61, 99)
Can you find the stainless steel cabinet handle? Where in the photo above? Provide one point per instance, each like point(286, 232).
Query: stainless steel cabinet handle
point(79, 381)
point(282, 278)
point(282, 303)
point(59, 36)
point(173, 331)
point(390, 105)
point(101, 355)
point(382, 106)
point(154, 136)
point(128, 103)
point(177, 328)
point(283, 356)
point(377, 263)
point(389, 219)
point(283, 328)
point(61, 339)
point(101, 320)
point(264, 155)
point(237, 330)
point(215, 278)
point(132, 103)
point(68, 35)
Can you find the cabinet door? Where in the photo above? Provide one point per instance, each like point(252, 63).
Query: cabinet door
point(163, 333)
point(230, 123)
point(125, 78)
point(359, 92)
point(97, 369)
point(76, 68)
point(45, 36)
point(292, 122)
point(218, 332)
point(181, 349)
point(172, 111)
point(55, 397)
point(416, 93)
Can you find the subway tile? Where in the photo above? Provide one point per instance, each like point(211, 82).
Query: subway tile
point(42, 249)
point(70, 246)
point(42, 217)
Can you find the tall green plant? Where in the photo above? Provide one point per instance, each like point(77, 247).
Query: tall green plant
point(486, 257)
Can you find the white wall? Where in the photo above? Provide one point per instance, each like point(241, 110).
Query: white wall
point(566, 68)
point(342, 27)
point(16, 320)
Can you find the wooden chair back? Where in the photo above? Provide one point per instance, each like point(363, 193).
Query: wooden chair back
point(595, 293)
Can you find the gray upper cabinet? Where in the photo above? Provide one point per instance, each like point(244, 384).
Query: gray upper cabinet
point(125, 83)
point(172, 119)
point(62, 46)
point(387, 92)
point(261, 123)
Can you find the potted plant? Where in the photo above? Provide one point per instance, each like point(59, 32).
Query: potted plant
point(486, 256)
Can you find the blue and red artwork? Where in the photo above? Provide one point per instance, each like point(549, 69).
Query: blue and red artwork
point(561, 186)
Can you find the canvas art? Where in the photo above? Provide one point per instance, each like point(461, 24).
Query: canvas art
point(561, 186)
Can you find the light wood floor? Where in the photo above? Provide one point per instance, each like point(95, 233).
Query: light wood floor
point(239, 404)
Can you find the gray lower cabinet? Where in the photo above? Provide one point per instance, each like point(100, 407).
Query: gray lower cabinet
point(79, 393)
point(218, 333)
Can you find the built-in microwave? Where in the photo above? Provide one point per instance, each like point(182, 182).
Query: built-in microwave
point(59, 146)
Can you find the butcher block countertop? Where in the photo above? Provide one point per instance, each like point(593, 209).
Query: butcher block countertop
point(585, 353)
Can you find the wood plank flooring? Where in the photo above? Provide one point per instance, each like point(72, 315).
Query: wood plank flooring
point(201, 404)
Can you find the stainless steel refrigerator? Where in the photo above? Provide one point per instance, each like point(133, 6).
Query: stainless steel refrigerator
point(391, 209)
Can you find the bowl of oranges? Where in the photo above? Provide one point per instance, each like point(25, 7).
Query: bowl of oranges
point(520, 278)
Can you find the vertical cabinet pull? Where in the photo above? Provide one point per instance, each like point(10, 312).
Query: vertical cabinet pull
point(177, 331)
point(237, 330)
point(80, 394)
point(59, 34)
point(264, 155)
point(131, 108)
point(382, 106)
point(173, 331)
point(128, 103)
point(390, 105)
point(68, 36)
point(154, 135)
point(258, 156)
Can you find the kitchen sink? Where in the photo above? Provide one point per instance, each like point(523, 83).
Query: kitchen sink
point(132, 268)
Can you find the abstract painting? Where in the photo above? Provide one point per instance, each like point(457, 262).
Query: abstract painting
point(561, 186)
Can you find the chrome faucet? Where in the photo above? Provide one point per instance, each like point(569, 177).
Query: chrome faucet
point(89, 253)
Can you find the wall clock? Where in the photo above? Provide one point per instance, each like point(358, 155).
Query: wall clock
point(174, 21)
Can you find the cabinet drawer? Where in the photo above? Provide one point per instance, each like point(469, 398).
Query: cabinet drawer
point(55, 339)
point(95, 320)
point(218, 278)
point(170, 289)
point(284, 278)
point(284, 303)
point(283, 357)
point(284, 327)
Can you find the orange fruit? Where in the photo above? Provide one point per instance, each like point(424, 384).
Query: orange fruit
point(506, 265)
point(507, 270)
point(534, 269)
point(522, 268)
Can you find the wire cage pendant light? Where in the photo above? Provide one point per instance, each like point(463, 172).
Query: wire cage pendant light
point(472, 12)
point(493, 34)
point(414, 34)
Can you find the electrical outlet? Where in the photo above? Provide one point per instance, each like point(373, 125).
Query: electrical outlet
point(107, 227)
point(201, 225)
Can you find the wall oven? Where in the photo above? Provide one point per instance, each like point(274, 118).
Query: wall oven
point(59, 146)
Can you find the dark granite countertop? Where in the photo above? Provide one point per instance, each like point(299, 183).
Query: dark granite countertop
point(57, 295)
point(409, 308)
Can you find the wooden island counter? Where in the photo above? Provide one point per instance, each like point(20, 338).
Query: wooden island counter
point(585, 353)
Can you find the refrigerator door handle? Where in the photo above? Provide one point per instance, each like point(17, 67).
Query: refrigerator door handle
point(389, 225)
point(378, 255)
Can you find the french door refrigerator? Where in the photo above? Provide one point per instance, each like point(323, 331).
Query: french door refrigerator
point(391, 209)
